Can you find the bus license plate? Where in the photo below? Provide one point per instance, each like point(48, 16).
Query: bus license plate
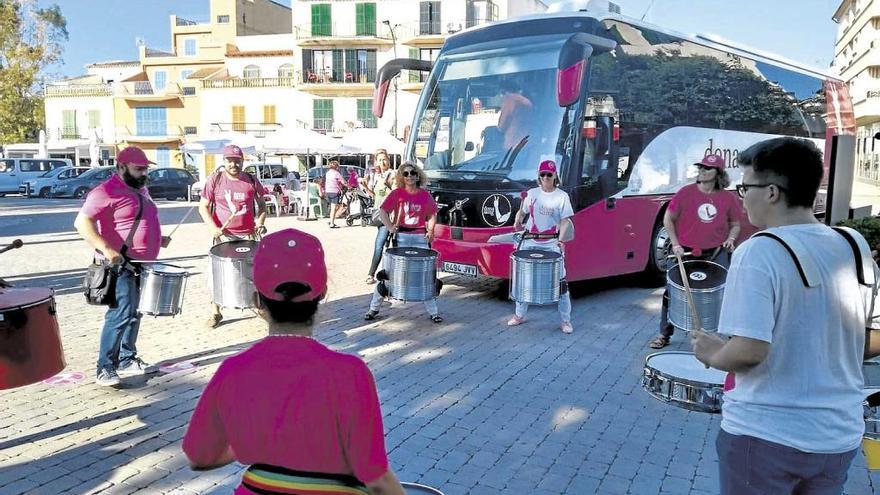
point(460, 269)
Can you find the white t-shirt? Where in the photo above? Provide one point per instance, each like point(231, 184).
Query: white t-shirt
point(807, 394)
point(546, 211)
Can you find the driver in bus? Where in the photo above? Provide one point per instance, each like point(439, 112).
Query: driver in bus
point(549, 210)
point(516, 113)
point(703, 223)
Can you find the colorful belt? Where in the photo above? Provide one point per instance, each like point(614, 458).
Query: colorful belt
point(273, 480)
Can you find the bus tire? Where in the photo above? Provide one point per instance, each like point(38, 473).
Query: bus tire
point(658, 263)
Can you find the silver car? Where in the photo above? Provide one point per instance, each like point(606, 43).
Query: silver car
point(42, 186)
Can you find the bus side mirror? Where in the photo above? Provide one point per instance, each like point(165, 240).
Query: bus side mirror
point(571, 67)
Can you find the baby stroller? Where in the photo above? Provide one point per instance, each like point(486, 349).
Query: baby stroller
point(360, 207)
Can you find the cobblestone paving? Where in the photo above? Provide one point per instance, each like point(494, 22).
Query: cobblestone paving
point(470, 406)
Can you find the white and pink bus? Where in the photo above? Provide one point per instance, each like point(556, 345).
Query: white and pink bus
point(623, 107)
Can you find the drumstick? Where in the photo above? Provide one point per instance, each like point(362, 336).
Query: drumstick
point(690, 297)
point(226, 223)
point(188, 213)
point(15, 245)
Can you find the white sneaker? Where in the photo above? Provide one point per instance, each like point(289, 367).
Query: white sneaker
point(566, 327)
point(107, 378)
point(516, 320)
point(135, 367)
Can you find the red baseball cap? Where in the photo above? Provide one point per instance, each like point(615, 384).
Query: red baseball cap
point(134, 156)
point(547, 166)
point(232, 151)
point(290, 255)
point(713, 161)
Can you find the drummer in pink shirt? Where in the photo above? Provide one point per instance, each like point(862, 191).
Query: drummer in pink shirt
point(105, 221)
point(306, 419)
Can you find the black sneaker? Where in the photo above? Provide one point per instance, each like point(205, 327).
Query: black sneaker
point(371, 315)
point(107, 378)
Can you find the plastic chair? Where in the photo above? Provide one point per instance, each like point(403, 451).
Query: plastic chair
point(272, 202)
point(315, 203)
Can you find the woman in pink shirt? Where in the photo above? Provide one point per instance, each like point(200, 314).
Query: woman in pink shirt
point(702, 219)
point(306, 419)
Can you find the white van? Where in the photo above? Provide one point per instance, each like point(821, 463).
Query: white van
point(14, 171)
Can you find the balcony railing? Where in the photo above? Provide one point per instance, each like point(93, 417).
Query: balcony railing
point(434, 27)
point(257, 82)
point(73, 132)
point(149, 130)
point(342, 30)
point(257, 129)
point(329, 76)
point(323, 124)
point(145, 88)
point(79, 90)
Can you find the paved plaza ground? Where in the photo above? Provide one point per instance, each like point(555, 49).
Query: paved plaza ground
point(470, 406)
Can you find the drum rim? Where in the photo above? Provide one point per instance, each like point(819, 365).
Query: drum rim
point(686, 381)
point(29, 305)
point(146, 267)
point(411, 484)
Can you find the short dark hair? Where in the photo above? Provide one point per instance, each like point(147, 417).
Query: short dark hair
point(797, 162)
point(288, 311)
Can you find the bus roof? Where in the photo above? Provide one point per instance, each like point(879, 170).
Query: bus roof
point(707, 40)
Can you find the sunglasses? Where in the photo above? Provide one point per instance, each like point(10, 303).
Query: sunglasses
point(704, 167)
point(409, 173)
point(546, 174)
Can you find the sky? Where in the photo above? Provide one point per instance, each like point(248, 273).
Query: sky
point(103, 30)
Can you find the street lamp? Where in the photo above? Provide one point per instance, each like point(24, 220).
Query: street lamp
point(394, 44)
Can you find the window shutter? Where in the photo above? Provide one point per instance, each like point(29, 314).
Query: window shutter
point(338, 73)
point(371, 65)
point(307, 64)
point(269, 114)
point(238, 123)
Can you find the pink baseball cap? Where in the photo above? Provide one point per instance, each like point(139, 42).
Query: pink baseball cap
point(547, 166)
point(232, 151)
point(714, 161)
point(134, 156)
point(290, 255)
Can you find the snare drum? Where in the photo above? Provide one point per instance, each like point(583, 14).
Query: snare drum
point(232, 273)
point(706, 280)
point(162, 288)
point(30, 342)
point(417, 489)
point(871, 439)
point(412, 273)
point(535, 275)
point(678, 378)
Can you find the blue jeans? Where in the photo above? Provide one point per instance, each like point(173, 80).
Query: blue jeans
point(121, 324)
point(378, 247)
point(752, 466)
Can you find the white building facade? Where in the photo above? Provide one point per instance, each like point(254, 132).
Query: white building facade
point(857, 61)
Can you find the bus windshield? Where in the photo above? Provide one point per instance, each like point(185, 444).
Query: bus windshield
point(491, 112)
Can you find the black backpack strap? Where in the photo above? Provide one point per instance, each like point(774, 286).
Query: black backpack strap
point(797, 262)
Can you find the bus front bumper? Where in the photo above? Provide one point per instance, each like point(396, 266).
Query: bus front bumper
point(472, 259)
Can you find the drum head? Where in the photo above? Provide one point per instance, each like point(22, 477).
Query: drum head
point(701, 274)
point(684, 365)
point(163, 268)
point(235, 249)
point(536, 255)
point(412, 252)
point(417, 489)
point(13, 297)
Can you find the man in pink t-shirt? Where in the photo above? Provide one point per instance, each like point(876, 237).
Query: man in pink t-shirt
point(315, 425)
point(120, 220)
point(702, 219)
point(334, 186)
point(232, 207)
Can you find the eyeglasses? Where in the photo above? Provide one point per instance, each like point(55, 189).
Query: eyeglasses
point(742, 189)
point(545, 174)
point(407, 173)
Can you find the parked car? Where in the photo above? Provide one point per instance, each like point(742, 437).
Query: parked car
point(42, 185)
point(169, 183)
point(14, 171)
point(78, 187)
point(268, 174)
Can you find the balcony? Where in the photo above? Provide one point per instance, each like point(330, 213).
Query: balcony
point(73, 133)
point(149, 132)
point(256, 129)
point(255, 82)
point(328, 82)
point(432, 32)
point(79, 90)
point(340, 34)
point(144, 91)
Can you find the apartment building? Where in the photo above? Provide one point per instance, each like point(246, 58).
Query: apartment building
point(857, 61)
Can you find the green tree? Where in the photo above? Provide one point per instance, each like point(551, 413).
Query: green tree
point(30, 42)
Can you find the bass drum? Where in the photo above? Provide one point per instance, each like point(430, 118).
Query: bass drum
point(232, 274)
point(535, 276)
point(30, 342)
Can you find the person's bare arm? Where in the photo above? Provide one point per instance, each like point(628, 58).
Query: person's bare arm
point(387, 484)
point(669, 219)
point(734, 354)
point(518, 221)
point(87, 228)
point(729, 243)
point(429, 227)
point(225, 457)
point(208, 219)
point(566, 230)
point(261, 212)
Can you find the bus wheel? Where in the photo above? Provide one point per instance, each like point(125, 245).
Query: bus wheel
point(658, 263)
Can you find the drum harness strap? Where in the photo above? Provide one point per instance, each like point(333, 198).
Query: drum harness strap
point(137, 220)
point(861, 252)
